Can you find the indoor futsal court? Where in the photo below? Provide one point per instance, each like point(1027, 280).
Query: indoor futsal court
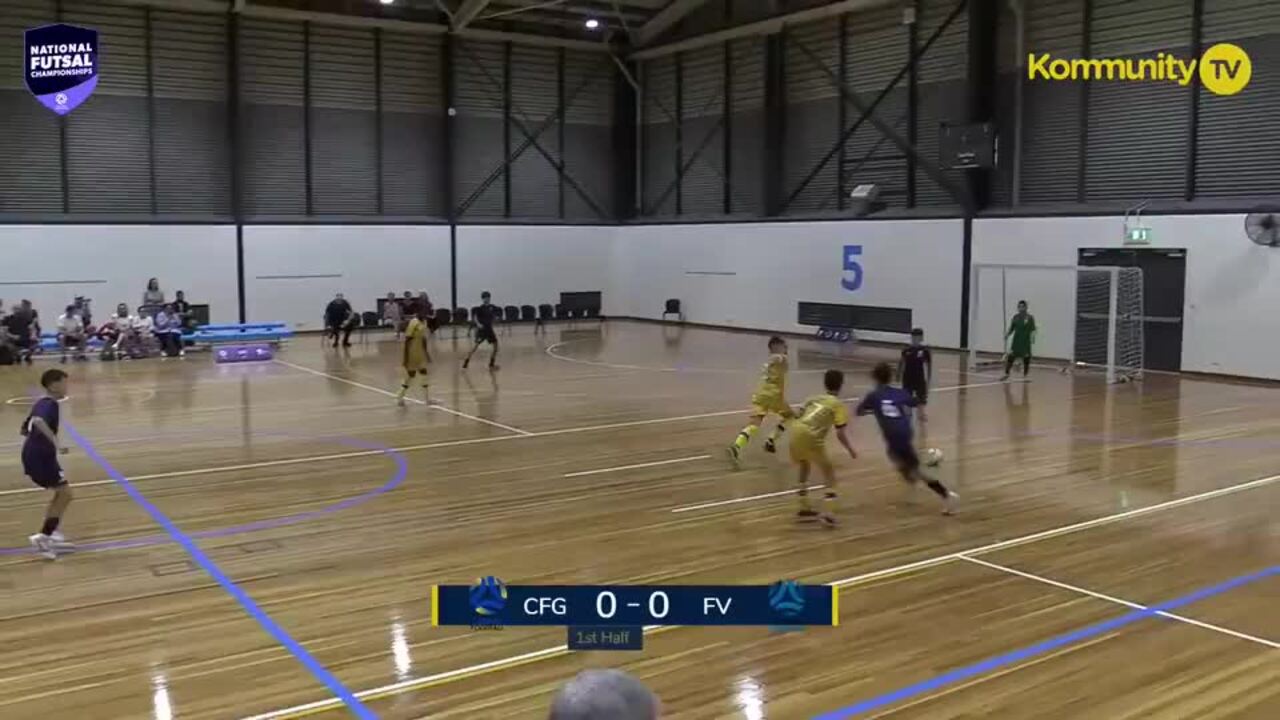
point(639, 359)
point(595, 457)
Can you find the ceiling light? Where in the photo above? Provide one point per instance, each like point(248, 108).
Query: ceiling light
point(387, 2)
point(592, 24)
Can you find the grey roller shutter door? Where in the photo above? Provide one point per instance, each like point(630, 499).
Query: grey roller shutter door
point(702, 131)
point(876, 50)
point(588, 135)
point(942, 77)
point(1239, 139)
point(747, 126)
point(108, 138)
point(659, 82)
point(478, 87)
point(30, 147)
point(344, 121)
point(535, 182)
point(1138, 131)
point(272, 120)
point(1051, 114)
point(812, 114)
point(412, 123)
point(189, 85)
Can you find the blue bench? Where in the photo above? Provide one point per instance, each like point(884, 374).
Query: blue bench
point(213, 337)
point(246, 327)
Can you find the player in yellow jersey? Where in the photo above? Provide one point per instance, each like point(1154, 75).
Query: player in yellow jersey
point(820, 414)
point(415, 357)
point(770, 397)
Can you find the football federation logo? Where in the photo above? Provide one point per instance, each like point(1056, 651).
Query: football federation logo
point(786, 598)
point(488, 596)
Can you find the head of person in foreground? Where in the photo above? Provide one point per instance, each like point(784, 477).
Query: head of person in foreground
point(605, 695)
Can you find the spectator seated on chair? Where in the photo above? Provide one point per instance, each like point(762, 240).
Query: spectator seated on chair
point(393, 314)
point(71, 333)
point(183, 308)
point(22, 328)
point(168, 331)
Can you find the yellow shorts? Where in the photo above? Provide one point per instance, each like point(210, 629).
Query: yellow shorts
point(771, 404)
point(807, 448)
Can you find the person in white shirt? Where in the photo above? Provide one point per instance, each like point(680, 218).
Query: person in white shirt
point(71, 333)
point(168, 330)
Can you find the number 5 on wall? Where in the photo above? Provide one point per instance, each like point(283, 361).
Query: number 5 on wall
point(852, 253)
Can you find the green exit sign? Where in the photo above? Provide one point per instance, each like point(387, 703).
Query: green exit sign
point(1137, 236)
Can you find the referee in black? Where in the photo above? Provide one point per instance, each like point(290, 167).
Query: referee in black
point(915, 369)
point(484, 318)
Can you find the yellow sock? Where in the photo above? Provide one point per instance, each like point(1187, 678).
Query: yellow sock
point(803, 497)
point(744, 436)
point(781, 428)
point(404, 388)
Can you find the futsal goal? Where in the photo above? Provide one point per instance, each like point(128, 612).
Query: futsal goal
point(1089, 317)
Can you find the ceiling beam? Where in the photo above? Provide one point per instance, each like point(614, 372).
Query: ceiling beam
point(468, 12)
point(668, 16)
point(769, 26)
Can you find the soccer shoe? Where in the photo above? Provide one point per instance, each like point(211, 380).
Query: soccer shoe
point(400, 401)
point(828, 520)
point(44, 546)
point(465, 363)
point(806, 514)
point(734, 455)
point(770, 446)
point(949, 503)
point(493, 367)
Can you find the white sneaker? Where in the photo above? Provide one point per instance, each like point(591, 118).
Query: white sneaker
point(44, 546)
point(949, 504)
point(61, 543)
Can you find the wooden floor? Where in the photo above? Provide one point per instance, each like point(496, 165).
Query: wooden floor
point(336, 511)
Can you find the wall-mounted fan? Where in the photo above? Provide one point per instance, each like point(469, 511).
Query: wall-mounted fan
point(1263, 227)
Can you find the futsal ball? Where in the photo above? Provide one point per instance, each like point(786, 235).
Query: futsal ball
point(932, 457)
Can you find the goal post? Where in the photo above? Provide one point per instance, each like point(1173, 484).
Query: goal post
point(1089, 317)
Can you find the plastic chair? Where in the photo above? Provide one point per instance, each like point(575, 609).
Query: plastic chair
point(528, 313)
point(672, 307)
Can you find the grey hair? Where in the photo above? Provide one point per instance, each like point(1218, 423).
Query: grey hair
point(604, 695)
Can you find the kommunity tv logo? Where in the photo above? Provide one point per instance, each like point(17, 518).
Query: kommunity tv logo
point(1223, 69)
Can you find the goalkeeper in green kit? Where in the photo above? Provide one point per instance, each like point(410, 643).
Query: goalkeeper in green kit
point(1023, 331)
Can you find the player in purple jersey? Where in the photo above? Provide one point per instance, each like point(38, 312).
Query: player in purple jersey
point(40, 453)
point(892, 409)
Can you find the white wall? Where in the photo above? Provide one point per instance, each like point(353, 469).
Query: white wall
point(752, 275)
point(1230, 323)
point(292, 271)
point(531, 265)
point(51, 264)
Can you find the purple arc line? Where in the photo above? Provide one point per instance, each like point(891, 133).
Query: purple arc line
point(402, 470)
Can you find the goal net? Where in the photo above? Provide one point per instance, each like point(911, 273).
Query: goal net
point(1089, 317)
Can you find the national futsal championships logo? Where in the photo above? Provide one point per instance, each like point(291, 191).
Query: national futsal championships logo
point(488, 598)
point(786, 598)
point(1223, 69)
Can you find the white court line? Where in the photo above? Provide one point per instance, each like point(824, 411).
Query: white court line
point(749, 498)
point(1118, 601)
point(430, 446)
point(385, 690)
point(637, 466)
point(388, 393)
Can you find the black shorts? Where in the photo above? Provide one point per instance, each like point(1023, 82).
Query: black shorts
point(918, 388)
point(43, 471)
point(486, 334)
point(903, 455)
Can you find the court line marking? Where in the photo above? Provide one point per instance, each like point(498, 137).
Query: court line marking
point(749, 498)
point(298, 711)
point(442, 444)
point(344, 695)
point(1014, 657)
point(637, 466)
point(1118, 601)
point(388, 393)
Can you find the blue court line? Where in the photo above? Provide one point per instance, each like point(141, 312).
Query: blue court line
point(324, 676)
point(1040, 648)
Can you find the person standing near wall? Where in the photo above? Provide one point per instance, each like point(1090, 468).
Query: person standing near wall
point(152, 296)
point(1023, 331)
